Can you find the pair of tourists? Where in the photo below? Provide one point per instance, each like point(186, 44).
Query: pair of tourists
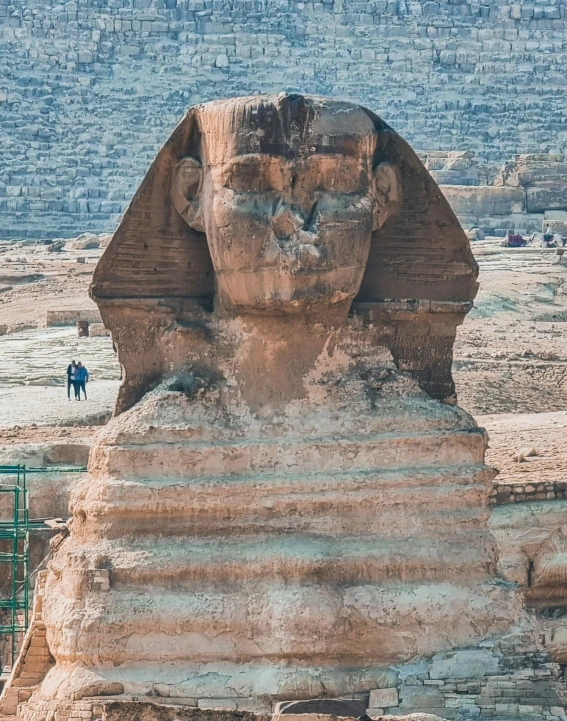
point(77, 378)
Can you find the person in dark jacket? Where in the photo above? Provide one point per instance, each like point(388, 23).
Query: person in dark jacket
point(71, 373)
point(81, 380)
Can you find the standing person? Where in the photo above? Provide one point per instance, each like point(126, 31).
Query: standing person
point(81, 380)
point(71, 373)
point(548, 235)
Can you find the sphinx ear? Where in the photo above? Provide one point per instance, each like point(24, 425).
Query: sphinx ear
point(386, 186)
point(185, 192)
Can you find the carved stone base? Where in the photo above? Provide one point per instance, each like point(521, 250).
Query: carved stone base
point(294, 556)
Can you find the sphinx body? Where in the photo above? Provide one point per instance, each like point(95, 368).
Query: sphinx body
point(287, 502)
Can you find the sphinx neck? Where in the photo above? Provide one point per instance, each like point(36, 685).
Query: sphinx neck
point(280, 357)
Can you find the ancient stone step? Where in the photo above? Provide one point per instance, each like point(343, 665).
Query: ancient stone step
point(196, 561)
point(280, 454)
point(317, 502)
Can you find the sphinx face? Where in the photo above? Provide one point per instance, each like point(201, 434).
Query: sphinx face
point(289, 215)
point(288, 232)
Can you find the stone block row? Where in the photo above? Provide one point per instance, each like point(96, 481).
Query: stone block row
point(91, 89)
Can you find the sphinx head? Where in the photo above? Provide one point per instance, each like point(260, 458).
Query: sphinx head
point(287, 191)
point(281, 203)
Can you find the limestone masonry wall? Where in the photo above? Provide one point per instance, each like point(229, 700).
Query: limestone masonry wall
point(90, 89)
point(523, 493)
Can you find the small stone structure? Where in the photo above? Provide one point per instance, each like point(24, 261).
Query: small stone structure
point(288, 504)
point(71, 317)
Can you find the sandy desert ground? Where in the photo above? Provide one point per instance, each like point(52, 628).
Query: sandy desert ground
point(510, 363)
point(510, 356)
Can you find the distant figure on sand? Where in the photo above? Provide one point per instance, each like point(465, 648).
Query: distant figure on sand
point(71, 374)
point(81, 380)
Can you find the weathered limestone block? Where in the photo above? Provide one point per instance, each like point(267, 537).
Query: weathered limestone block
point(523, 223)
point(383, 698)
point(470, 663)
point(262, 564)
point(556, 639)
point(282, 507)
point(532, 541)
point(532, 168)
point(457, 167)
point(485, 200)
point(549, 195)
point(86, 241)
point(544, 178)
point(137, 711)
point(97, 329)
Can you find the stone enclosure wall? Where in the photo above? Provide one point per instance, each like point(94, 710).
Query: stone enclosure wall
point(525, 492)
point(90, 89)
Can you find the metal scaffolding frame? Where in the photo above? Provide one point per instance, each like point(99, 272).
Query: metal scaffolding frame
point(15, 528)
point(14, 553)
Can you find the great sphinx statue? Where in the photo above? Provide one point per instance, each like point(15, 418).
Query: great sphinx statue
point(288, 502)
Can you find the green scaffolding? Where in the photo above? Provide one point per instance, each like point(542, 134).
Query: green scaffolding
point(15, 552)
point(15, 528)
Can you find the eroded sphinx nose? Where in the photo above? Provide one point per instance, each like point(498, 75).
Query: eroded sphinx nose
point(287, 221)
point(294, 237)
